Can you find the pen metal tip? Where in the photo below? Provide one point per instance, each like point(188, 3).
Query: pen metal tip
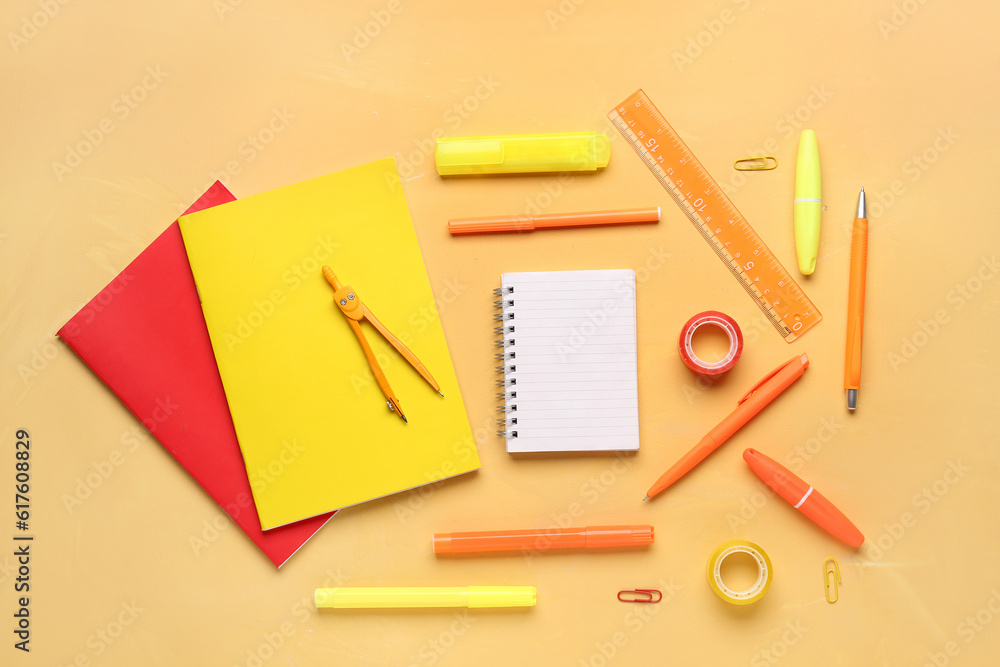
point(862, 206)
point(645, 498)
point(441, 392)
point(852, 399)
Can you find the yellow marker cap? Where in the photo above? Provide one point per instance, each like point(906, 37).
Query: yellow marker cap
point(808, 205)
point(522, 153)
point(389, 597)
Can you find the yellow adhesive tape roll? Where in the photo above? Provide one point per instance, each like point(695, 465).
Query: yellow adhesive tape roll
point(764, 572)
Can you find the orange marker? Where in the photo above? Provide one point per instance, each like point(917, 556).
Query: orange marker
point(804, 498)
point(753, 402)
point(856, 303)
point(591, 537)
point(528, 223)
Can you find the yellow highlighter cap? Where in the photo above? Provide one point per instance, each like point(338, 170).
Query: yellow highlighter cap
point(807, 181)
point(522, 153)
point(501, 596)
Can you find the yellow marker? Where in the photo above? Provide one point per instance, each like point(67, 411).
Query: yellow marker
point(807, 204)
point(390, 597)
point(522, 153)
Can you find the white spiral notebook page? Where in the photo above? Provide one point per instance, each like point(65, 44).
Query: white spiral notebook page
point(569, 358)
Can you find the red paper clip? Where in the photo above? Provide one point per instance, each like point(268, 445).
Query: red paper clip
point(644, 595)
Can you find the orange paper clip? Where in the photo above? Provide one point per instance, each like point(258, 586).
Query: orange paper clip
point(644, 595)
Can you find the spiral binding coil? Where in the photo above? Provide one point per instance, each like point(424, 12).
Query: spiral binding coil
point(507, 356)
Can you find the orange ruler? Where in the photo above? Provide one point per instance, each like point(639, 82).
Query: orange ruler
point(713, 214)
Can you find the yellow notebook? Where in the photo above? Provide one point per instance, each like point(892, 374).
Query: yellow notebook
point(313, 426)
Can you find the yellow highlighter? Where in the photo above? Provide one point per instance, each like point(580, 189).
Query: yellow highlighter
point(807, 206)
point(390, 597)
point(522, 153)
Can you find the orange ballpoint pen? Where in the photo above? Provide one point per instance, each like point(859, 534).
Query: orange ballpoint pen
point(856, 303)
point(355, 310)
point(753, 402)
point(804, 498)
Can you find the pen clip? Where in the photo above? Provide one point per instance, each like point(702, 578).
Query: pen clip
point(765, 380)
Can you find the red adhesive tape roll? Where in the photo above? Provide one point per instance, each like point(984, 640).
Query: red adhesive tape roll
point(716, 319)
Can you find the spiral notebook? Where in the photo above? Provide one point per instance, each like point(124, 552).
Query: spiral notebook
point(569, 361)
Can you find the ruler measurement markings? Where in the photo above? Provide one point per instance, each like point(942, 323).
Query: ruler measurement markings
point(688, 173)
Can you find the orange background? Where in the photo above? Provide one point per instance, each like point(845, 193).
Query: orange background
point(166, 97)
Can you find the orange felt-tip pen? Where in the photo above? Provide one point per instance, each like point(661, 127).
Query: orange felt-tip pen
point(856, 303)
point(529, 223)
point(752, 402)
point(591, 537)
point(804, 498)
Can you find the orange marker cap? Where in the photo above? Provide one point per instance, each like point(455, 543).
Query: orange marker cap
point(803, 497)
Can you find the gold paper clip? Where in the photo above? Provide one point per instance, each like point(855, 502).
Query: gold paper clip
point(645, 595)
point(833, 583)
point(756, 164)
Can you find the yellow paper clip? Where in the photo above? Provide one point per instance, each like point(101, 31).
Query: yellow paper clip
point(756, 164)
point(829, 583)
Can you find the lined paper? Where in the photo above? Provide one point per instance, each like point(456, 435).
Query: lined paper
point(570, 363)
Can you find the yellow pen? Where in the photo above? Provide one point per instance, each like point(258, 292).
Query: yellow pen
point(808, 204)
point(390, 597)
point(522, 153)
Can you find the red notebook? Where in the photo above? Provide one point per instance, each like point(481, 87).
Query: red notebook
point(144, 335)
